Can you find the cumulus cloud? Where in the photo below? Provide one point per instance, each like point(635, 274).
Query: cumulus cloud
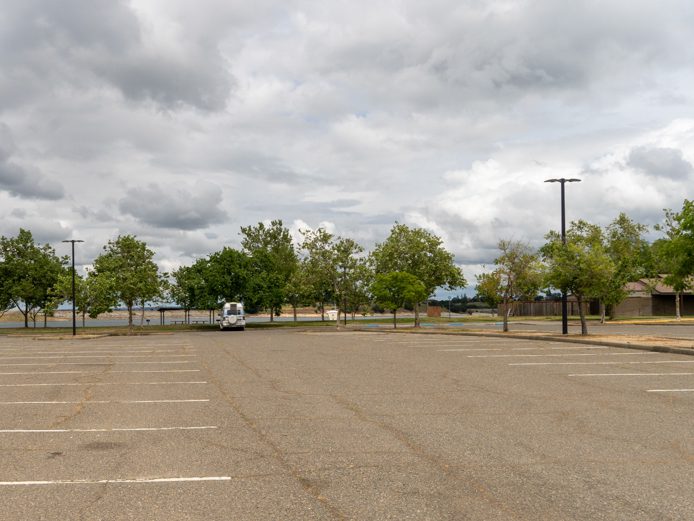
point(26, 182)
point(660, 162)
point(85, 44)
point(170, 206)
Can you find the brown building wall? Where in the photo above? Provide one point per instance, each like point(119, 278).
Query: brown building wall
point(635, 307)
point(664, 305)
point(547, 308)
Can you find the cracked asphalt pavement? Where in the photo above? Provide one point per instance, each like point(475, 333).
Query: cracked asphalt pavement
point(330, 425)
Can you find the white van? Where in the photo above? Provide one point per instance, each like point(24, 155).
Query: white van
point(232, 316)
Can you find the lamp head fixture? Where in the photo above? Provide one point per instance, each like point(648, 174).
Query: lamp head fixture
point(563, 180)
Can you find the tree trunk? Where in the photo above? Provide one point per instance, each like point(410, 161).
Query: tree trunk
point(272, 314)
point(83, 317)
point(294, 308)
point(582, 314)
point(602, 312)
point(395, 320)
point(142, 315)
point(416, 314)
point(45, 319)
point(507, 310)
point(678, 315)
point(322, 311)
point(130, 318)
point(26, 315)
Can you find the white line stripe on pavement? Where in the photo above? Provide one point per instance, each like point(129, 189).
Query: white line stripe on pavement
point(96, 383)
point(114, 481)
point(563, 354)
point(89, 356)
point(96, 363)
point(100, 374)
point(92, 352)
point(117, 429)
point(670, 391)
point(105, 401)
point(579, 347)
point(469, 349)
point(632, 374)
point(607, 363)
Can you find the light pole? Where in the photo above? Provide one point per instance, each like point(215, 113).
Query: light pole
point(74, 314)
point(564, 313)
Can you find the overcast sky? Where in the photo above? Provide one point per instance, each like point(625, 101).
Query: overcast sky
point(179, 120)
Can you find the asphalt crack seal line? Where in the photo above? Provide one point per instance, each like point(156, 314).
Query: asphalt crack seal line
point(304, 482)
point(417, 450)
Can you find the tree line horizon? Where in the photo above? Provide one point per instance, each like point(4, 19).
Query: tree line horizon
point(269, 271)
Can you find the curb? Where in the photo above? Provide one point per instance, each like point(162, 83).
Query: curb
point(546, 338)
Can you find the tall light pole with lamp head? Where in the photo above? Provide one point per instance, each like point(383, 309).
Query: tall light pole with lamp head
point(564, 310)
point(74, 313)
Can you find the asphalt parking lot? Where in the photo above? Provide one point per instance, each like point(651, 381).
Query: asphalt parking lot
point(342, 425)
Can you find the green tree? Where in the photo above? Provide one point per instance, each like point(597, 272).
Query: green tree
point(320, 266)
point(489, 288)
point(298, 288)
point(419, 253)
point(518, 276)
point(627, 248)
point(676, 251)
point(128, 271)
point(349, 274)
point(582, 266)
point(92, 294)
point(273, 260)
point(192, 287)
point(225, 279)
point(395, 289)
point(28, 273)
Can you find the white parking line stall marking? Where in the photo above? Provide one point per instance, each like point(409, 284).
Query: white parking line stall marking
point(46, 372)
point(564, 354)
point(116, 429)
point(468, 349)
point(670, 391)
point(607, 363)
point(100, 374)
point(94, 363)
point(107, 402)
point(631, 374)
point(97, 383)
point(96, 353)
point(579, 347)
point(90, 356)
point(114, 481)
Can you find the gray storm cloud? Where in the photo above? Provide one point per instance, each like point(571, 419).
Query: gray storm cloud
point(660, 162)
point(84, 44)
point(164, 206)
point(23, 181)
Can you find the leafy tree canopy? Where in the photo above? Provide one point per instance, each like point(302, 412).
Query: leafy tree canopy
point(420, 253)
point(28, 272)
point(395, 289)
point(132, 275)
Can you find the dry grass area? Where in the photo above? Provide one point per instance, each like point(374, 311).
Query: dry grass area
point(642, 340)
